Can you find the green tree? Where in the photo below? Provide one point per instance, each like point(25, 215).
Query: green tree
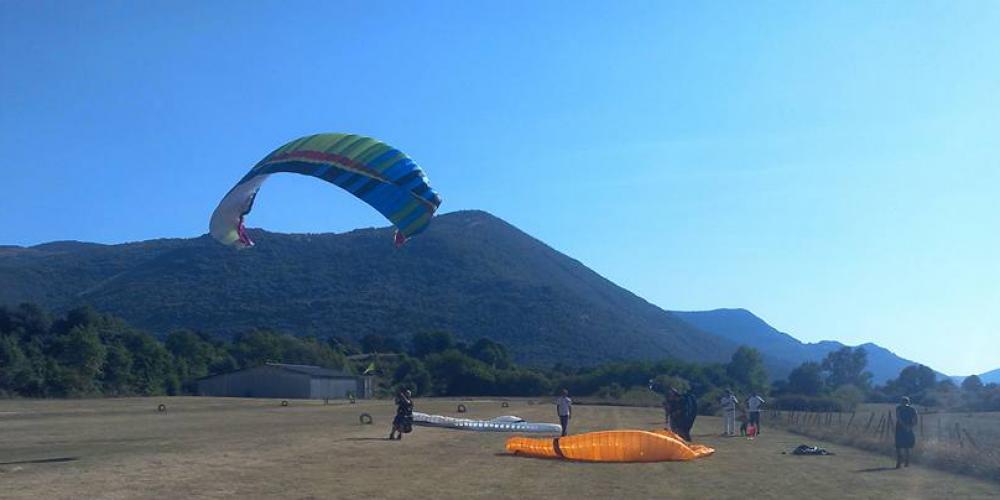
point(195, 356)
point(972, 384)
point(15, 367)
point(411, 374)
point(913, 381)
point(807, 379)
point(427, 343)
point(456, 374)
point(847, 366)
point(116, 377)
point(152, 365)
point(491, 353)
point(80, 355)
point(747, 369)
point(521, 383)
point(849, 395)
point(372, 343)
point(257, 347)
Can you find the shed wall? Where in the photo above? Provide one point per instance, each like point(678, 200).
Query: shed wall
point(260, 382)
point(334, 388)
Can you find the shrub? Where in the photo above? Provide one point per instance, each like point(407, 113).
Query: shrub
point(849, 396)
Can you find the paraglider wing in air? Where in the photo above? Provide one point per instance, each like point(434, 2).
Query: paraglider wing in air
point(378, 174)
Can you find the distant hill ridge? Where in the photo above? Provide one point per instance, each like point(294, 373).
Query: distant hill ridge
point(743, 327)
point(471, 274)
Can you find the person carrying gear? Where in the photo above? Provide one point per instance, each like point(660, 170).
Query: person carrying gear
point(682, 409)
point(403, 422)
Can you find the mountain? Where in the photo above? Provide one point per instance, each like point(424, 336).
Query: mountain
point(786, 352)
point(470, 273)
point(992, 377)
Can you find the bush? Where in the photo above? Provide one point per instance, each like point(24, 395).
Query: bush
point(522, 383)
point(612, 391)
point(849, 396)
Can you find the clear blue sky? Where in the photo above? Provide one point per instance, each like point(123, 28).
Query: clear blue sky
point(832, 166)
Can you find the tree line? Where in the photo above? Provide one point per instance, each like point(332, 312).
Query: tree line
point(87, 353)
point(840, 382)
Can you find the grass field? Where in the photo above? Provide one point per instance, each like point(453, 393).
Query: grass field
point(958, 442)
point(237, 448)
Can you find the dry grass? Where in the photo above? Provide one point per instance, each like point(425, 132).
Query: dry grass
point(236, 448)
point(966, 443)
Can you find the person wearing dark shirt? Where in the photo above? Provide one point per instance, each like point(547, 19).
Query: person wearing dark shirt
point(403, 421)
point(906, 420)
point(682, 410)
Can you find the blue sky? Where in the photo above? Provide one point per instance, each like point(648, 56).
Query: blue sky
point(832, 166)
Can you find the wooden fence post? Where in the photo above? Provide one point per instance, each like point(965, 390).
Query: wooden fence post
point(889, 425)
point(969, 436)
point(870, 418)
point(849, 421)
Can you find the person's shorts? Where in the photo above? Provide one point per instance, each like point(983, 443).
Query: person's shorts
point(755, 418)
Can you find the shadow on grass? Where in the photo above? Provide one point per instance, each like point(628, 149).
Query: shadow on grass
point(876, 469)
point(41, 461)
point(368, 439)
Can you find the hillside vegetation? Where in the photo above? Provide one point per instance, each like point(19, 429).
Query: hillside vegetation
point(471, 274)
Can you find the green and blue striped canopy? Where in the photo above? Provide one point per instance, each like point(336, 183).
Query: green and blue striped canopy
point(380, 175)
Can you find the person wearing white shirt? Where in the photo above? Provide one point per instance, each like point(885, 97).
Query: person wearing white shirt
point(753, 405)
point(729, 403)
point(564, 408)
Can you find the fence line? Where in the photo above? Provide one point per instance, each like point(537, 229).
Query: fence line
point(945, 448)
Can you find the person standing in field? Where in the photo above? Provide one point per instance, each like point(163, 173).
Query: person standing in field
point(729, 403)
point(753, 406)
point(681, 412)
point(403, 421)
point(906, 420)
point(564, 408)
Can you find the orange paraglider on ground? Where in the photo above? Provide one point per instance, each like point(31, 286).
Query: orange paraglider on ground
point(611, 446)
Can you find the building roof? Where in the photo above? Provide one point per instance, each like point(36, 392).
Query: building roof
point(312, 371)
